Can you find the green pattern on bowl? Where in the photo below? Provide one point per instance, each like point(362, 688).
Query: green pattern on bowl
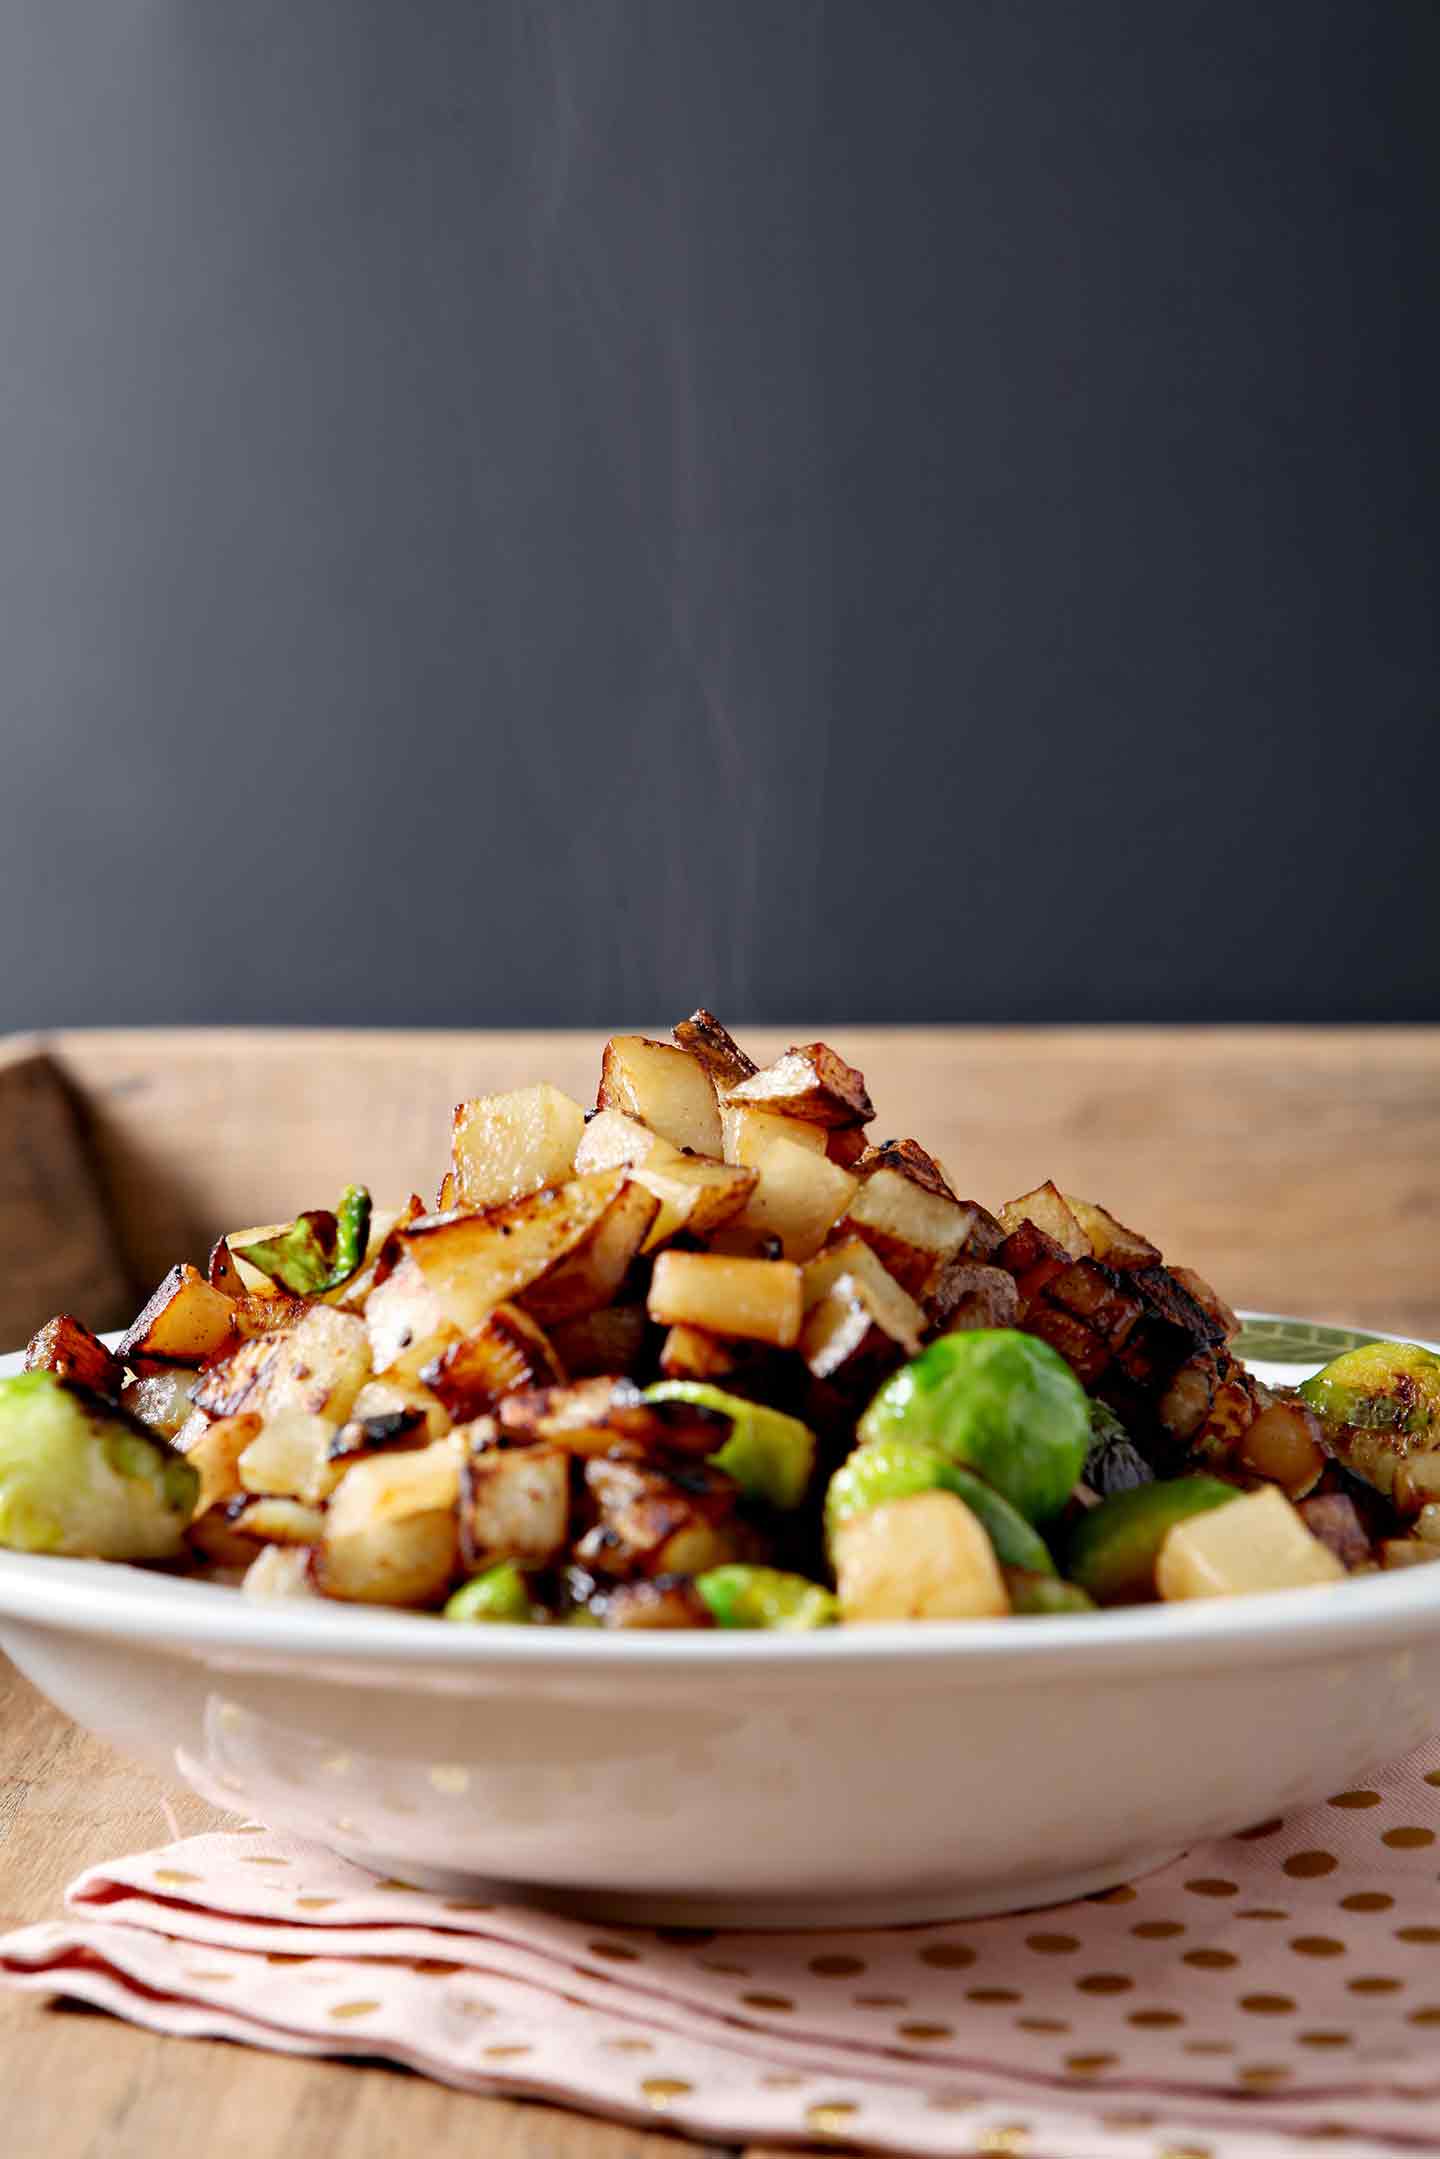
point(1297, 1341)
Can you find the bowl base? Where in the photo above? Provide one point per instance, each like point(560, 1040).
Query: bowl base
point(967, 1900)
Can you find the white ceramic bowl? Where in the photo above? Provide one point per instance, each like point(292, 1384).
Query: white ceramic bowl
point(856, 1776)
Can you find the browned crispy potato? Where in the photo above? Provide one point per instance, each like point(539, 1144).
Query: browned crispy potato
point(811, 1082)
point(846, 1144)
point(268, 1315)
point(222, 1273)
point(608, 1341)
point(1046, 1207)
point(691, 1353)
point(757, 1299)
point(1212, 1304)
point(453, 1269)
point(214, 1450)
point(1110, 1240)
point(912, 1161)
point(391, 1529)
point(672, 1601)
point(161, 1398)
point(1033, 1258)
point(448, 1195)
point(603, 1416)
point(67, 1348)
point(705, 1039)
point(184, 1322)
point(506, 1145)
point(592, 1273)
point(472, 1372)
point(694, 1193)
point(663, 1087)
point(319, 1366)
point(859, 1327)
point(915, 1229)
point(969, 1294)
point(391, 1394)
point(514, 1504)
point(652, 1524)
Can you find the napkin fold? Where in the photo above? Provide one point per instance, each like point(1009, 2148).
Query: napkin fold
point(1264, 1991)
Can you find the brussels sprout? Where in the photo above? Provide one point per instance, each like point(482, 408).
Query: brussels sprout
point(1003, 1402)
point(1380, 1408)
point(79, 1477)
point(1114, 1462)
point(769, 1455)
point(497, 1594)
point(740, 1596)
point(1042, 1596)
point(1114, 1547)
point(318, 1250)
point(886, 1469)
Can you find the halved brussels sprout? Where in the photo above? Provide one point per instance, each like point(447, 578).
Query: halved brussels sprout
point(769, 1455)
point(741, 1596)
point(1001, 1401)
point(80, 1478)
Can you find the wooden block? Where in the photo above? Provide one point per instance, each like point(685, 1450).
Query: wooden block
point(58, 1252)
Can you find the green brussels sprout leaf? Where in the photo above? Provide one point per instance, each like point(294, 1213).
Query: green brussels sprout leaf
point(769, 1455)
point(497, 1594)
point(80, 1478)
point(739, 1596)
point(318, 1250)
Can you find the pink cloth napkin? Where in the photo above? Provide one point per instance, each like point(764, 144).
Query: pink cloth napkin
point(1275, 1987)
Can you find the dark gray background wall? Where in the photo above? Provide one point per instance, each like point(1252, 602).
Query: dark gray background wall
point(552, 510)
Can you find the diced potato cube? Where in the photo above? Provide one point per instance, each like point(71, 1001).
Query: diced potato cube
point(391, 1532)
point(514, 1504)
point(391, 1395)
point(799, 1197)
point(695, 1193)
point(690, 1353)
point(215, 1450)
point(612, 1140)
point(757, 1299)
point(184, 1322)
point(858, 1321)
point(1046, 1207)
point(275, 1518)
point(1110, 1240)
point(506, 1145)
point(590, 1276)
point(715, 1047)
point(748, 1131)
point(280, 1570)
point(810, 1081)
point(663, 1087)
point(318, 1366)
point(915, 1230)
point(1255, 1542)
point(470, 1372)
point(65, 1346)
point(924, 1557)
point(608, 1341)
point(290, 1455)
point(454, 1269)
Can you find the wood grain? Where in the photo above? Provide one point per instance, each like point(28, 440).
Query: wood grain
point(57, 1249)
point(1299, 1169)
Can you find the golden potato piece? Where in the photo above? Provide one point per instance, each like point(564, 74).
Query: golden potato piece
point(505, 1145)
point(1047, 1208)
point(913, 1228)
point(715, 1048)
point(812, 1082)
point(514, 1504)
point(318, 1366)
point(66, 1347)
point(663, 1087)
point(184, 1322)
point(391, 1531)
point(757, 1299)
point(1255, 1542)
point(1110, 1240)
point(925, 1557)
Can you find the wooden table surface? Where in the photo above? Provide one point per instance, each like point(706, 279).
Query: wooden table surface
point(1299, 1169)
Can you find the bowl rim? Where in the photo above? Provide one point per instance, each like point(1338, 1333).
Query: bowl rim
point(194, 1618)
